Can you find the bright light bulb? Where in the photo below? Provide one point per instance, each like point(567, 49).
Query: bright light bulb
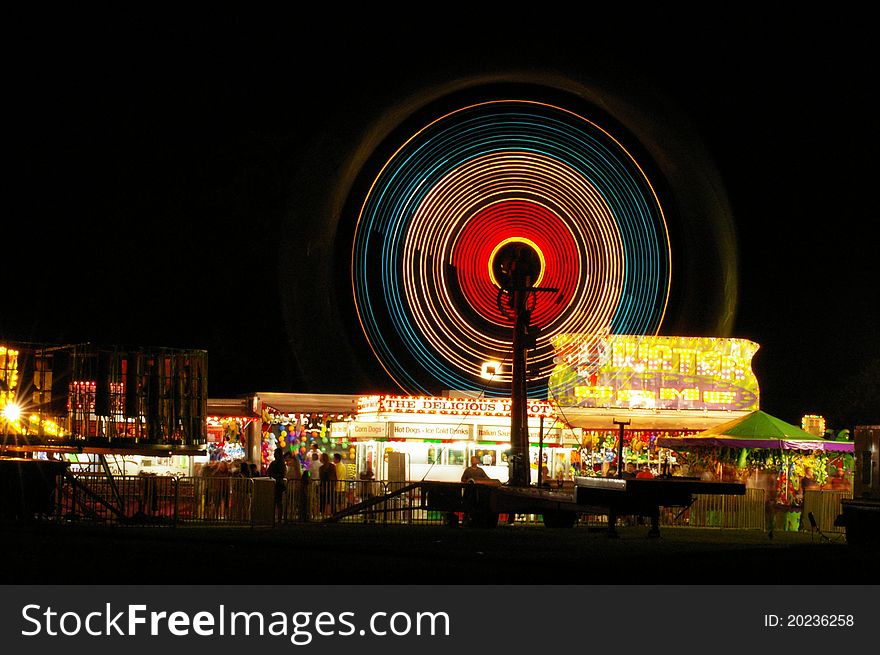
point(12, 412)
point(490, 369)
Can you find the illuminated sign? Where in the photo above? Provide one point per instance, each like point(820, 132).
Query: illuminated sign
point(430, 431)
point(813, 424)
point(654, 372)
point(502, 433)
point(359, 430)
point(450, 406)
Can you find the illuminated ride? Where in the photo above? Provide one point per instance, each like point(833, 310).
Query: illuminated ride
point(83, 403)
point(465, 193)
point(86, 398)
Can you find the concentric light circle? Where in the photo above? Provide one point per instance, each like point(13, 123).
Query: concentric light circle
point(458, 191)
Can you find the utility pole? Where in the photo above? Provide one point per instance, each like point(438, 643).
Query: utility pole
point(517, 267)
point(620, 447)
point(541, 451)
point(519, 425)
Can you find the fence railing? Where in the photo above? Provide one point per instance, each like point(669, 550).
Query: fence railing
point(247, 502)
point(118, 499)
point(825, 506)
point(724, 511)
point(158, 500)
point(750, 512)
point(350, 501)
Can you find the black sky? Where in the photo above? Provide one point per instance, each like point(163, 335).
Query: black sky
point(156, 173)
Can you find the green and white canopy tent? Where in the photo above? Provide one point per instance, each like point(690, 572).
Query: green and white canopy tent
point(763, 441)
point(757, 430)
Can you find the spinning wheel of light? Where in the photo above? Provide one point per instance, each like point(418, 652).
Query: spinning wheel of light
point(461, 189)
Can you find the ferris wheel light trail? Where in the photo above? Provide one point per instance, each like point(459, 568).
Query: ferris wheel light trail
point(469, 183)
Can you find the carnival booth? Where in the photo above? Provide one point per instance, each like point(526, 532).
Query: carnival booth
point(301, 424)
point(249, 429)
point(229, 420)
point(403, 438)
point(788, 463)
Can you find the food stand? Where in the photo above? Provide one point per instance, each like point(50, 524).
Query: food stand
point(765, 452)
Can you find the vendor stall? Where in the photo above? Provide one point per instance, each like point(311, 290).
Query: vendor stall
point(302, 424)
point(434, 438)
point(766, 452)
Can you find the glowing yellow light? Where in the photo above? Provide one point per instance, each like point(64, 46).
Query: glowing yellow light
point(490, 369)
point(813, 424)
point(528, 242)
point(12, 412)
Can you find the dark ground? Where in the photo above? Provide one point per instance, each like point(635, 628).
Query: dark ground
point(357, 554)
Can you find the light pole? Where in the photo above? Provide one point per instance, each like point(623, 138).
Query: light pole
point(517, 267)
point(620, 447)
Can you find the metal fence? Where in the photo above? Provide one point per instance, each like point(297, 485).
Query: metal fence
point(724, 511)
point(356, 501)
point(825, 507)
point(750, 512)
point(118, 499)
point(247, 502)
point(160, 500)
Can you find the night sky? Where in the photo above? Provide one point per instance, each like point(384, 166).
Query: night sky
point(176, 185)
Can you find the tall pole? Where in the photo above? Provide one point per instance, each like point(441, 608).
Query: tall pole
point(620, 447)
point(519, 435)
point(518, 267)
point(541, 451)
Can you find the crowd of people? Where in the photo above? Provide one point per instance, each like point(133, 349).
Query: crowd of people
point(318, 485)
point(303, 489)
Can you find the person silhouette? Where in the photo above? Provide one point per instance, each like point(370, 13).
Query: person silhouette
point(474, 472)
point(278, 472)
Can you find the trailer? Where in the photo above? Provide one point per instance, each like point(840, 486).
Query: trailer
point(482, 502)
point(860, 515)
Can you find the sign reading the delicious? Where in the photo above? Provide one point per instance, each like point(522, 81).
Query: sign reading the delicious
point(450, 406)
